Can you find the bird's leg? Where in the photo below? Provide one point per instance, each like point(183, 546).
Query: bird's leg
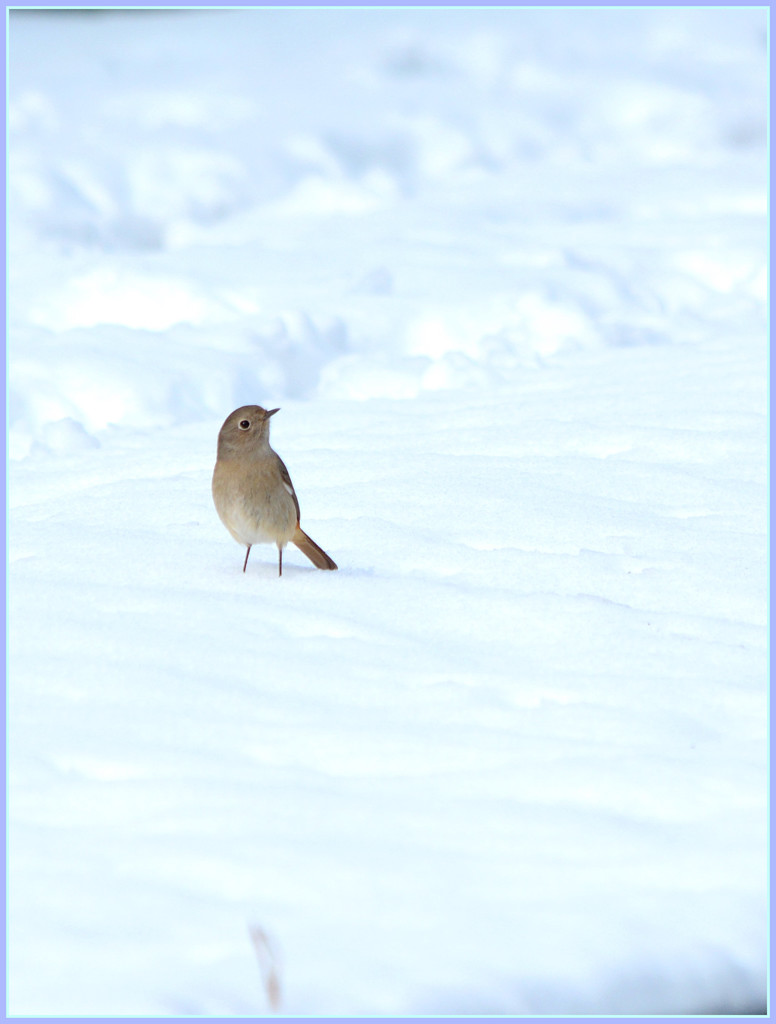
point(246, 557)
point(280, 561)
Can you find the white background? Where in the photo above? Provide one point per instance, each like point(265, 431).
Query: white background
point(505, 273)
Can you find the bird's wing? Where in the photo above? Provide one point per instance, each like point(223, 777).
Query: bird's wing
point(288, 485)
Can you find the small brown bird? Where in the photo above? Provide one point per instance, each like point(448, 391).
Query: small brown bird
point(252, 491)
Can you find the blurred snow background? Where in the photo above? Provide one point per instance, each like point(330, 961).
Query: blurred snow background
point(505, 272)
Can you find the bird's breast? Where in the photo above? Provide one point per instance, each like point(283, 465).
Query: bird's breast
point(253, 504)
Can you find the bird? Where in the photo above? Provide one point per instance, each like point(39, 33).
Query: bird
point(252, 490)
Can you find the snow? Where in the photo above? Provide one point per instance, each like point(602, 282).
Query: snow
point(504, 271)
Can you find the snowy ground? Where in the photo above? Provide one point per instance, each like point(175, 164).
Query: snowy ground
point(504, 272)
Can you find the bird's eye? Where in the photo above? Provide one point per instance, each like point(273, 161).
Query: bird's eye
point(244, 424)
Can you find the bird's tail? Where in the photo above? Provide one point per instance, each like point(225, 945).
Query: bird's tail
point(308, 547)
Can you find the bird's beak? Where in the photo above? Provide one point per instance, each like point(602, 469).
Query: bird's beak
point(271, 413)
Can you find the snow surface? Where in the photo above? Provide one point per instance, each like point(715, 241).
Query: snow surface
point(505, 273)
